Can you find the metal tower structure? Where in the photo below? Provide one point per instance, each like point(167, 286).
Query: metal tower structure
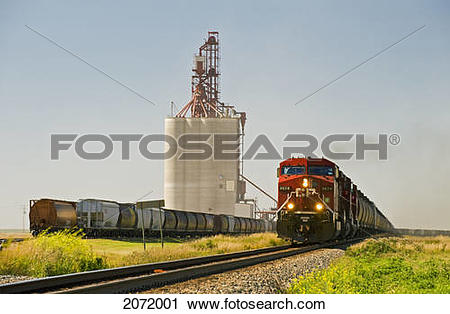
point(205, 82)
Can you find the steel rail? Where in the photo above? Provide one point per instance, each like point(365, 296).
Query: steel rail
point(127, 285)
point(57, 282)
point(178, 275)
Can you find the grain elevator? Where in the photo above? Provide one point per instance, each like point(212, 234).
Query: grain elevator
point(207, 185)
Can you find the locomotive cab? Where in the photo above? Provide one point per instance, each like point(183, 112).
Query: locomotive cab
point(306, 197)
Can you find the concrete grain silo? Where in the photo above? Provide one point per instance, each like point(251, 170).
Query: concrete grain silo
point(208, 186)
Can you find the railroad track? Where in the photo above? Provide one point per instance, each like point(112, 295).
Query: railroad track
point(147, 276)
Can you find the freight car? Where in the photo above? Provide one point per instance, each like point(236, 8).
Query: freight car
point(317, 202)
point(109, 218)
point(47, 213)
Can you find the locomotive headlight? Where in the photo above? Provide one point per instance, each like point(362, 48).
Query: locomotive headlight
point(290, 206)
point(319, 207)
point(305, 183)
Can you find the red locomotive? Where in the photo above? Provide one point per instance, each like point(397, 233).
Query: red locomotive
point(317, 202)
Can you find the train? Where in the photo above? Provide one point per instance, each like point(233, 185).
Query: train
point(104, 218)
point(317, 203)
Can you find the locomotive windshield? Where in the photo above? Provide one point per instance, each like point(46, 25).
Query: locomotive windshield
point(291, 170)
point(320, 170)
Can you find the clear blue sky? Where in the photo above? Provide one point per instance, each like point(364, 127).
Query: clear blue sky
point(273, 54)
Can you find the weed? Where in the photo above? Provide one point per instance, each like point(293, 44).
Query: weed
point(390, 265)
point(50, 254)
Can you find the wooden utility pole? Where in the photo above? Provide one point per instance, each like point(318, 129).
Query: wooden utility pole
point(160, 227)
point(142, 225)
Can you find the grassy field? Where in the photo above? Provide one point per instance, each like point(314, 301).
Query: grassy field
point(198, 247)
point(118, 248)
point(14, 233)
point(390, 265)
point(63, 252)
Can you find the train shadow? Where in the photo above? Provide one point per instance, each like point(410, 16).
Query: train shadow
point(147, 240)
point(331, 244)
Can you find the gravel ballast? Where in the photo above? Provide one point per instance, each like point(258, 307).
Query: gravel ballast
point(269, 277)
point(4, 279)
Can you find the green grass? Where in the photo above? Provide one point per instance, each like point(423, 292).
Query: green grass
point(64, 252)
point(118, 248)
point(392, 265)
point(218, 244)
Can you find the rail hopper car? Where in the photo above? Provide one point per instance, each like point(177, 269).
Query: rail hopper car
point(109, 218)
point(47, 213)
point(317, 202)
